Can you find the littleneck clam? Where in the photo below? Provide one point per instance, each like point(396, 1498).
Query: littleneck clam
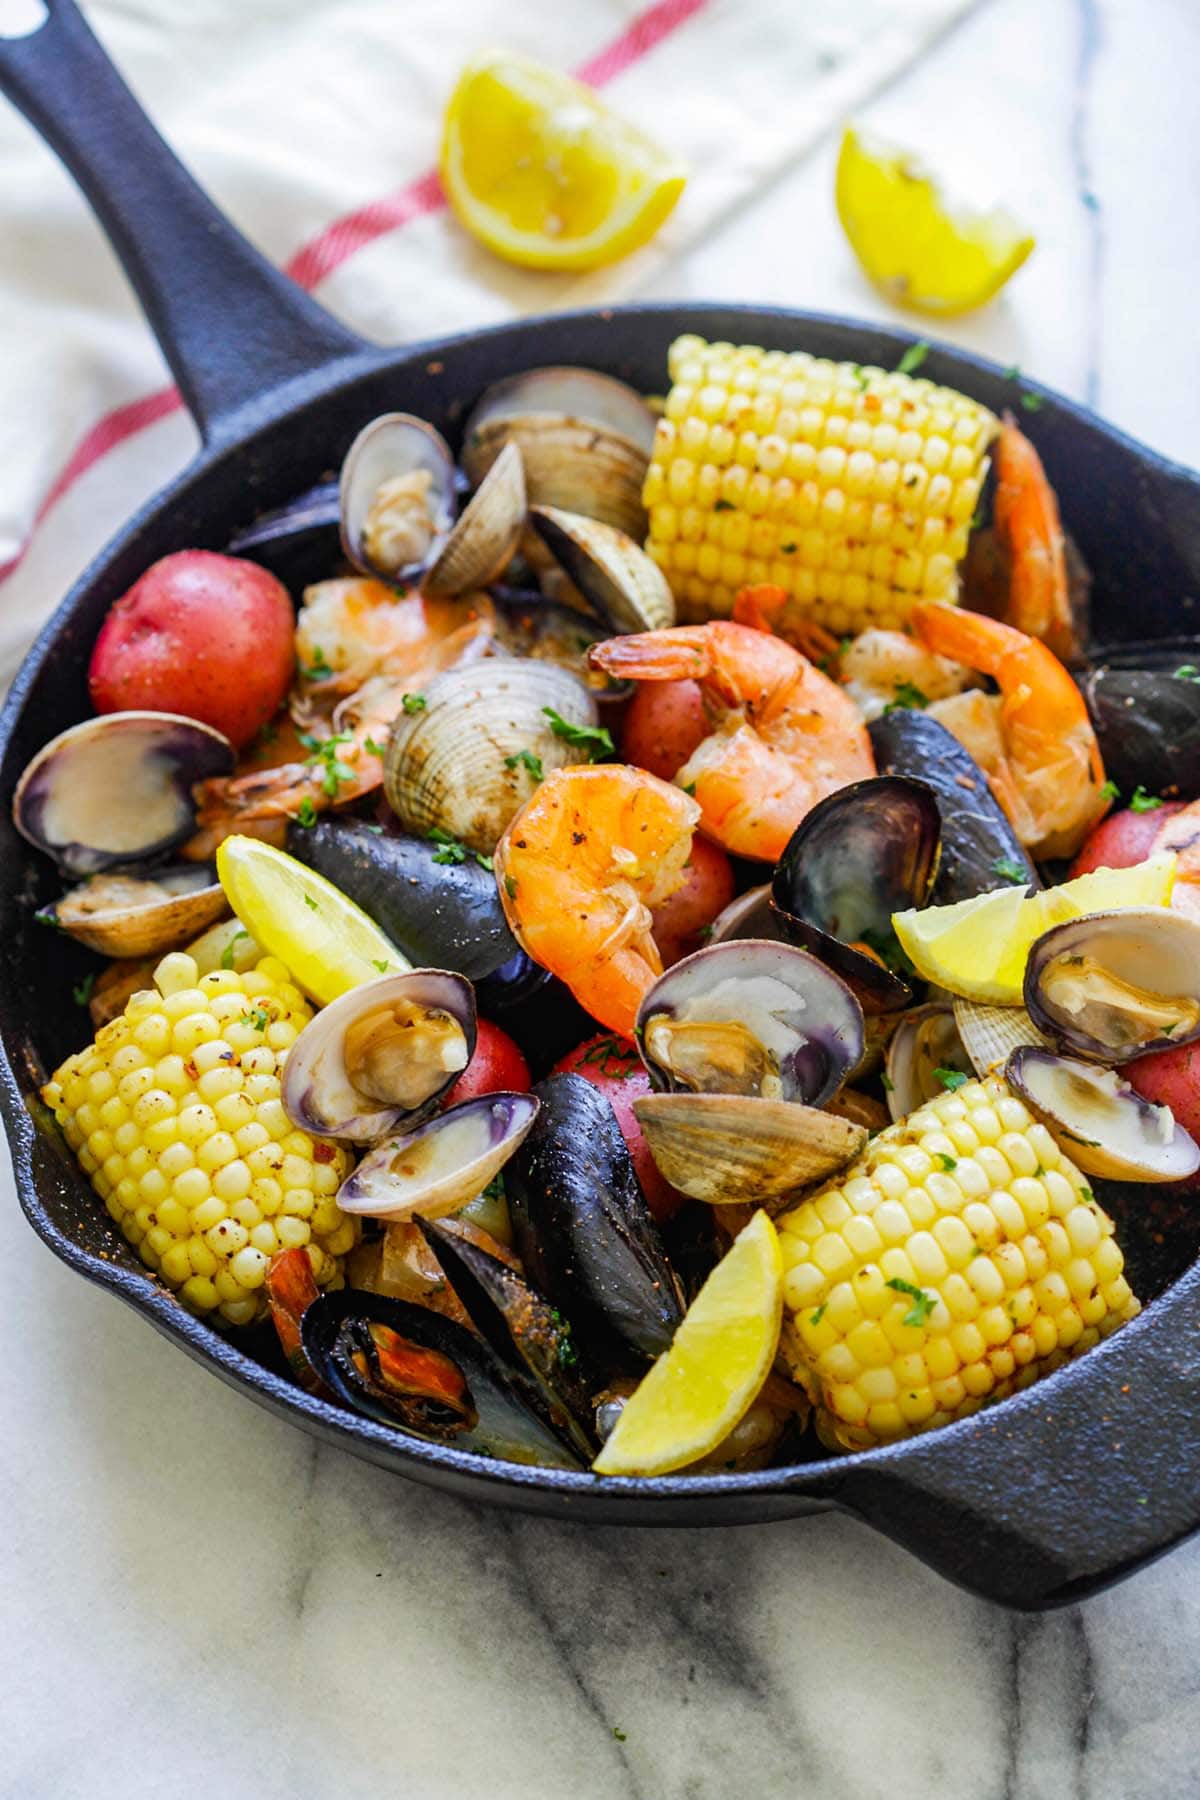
point(117, 789)
point(867, 851)
point(1097, 1119)
point(436, 1167)
point(480, 545)
point(380, 1056)
point(990, 1034)
point(1111, 986)
point(613, 574)
point(925, 1040)
point(129, 914)
point(469, 759)
point(728, 1148)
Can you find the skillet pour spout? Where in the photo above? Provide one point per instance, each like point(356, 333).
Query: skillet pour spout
point(280, 390)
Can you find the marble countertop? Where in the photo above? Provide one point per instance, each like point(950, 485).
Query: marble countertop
point(198, 1599)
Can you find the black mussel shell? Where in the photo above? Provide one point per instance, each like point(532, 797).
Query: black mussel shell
point(523, 1329)
point(1147, 722)
point(442, 915)
point(583, 1230)
point(297, 541)
point(420, 1372)
point(980, 849)
point(865, 852)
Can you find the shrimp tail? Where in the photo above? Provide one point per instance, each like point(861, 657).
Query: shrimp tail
point(767, 607)
point(965, 637)
point(680, 653)
point(1030, 531)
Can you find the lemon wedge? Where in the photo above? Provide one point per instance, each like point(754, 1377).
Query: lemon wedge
point(721, 1355)
point(539, 170)
point(327, 942)
point(912, 242)
point(978, 948)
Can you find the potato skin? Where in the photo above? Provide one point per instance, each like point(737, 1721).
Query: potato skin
point(708, 887)
point(497, 1067)
point(663, 724)
point(1123, 839)
point(201, 634)
point(1171, 1078)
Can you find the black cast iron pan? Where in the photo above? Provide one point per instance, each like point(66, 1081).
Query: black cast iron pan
point(1036, 1502)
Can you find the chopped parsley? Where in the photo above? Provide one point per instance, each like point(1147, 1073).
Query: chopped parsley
point(414, 703)
point(375, 830)
point(1032, 402)
point(922, 1303)
point(323, 754)
point(1013, 372)
point(1110, 791)
point(450, 850)
point(592, 738)
point(310, 902)
point(815, 1318)
point(318, 668)
point(723, 506)
point(689, 788)
point(372, 748)
point(787, 549)
point(1187, 672)
point(860, 375)
point(257, 1017)
point(83, 993)
point(618, 1734)
point(887, 1084)
point(608, 1050)
point(510, 886)
point(947, 1162)
point(383, 967)
point(1141, 801)
point(485, 862)
point(913, 357)
point(306, 813)
point(1010, 870)
point(951, 1079)
point(228, 952)
point(908, 698)
point(527, 760)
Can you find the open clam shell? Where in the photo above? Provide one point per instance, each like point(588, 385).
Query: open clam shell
point(729, 1148)
point(749, 1016)
point(380, 1055)
point(117, 789)
point(479, 547)
point(1098, 1121)
point(1114, 985)
point(397, 494)
point(925, 1040)
point(461, 765)
point(128, 914)
point(613, 574)
point(440, 1165)
point(990, 1034)
point(751, 915)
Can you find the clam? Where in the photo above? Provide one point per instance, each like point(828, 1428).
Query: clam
point(614, 575)
point(469, 760)
point(583, 1230)
point(481, 544)
point(1113, 985)
point(411, 1368)
point(1099, 1122)
point(867, 851)
point(990, 1034)
point(729, 1148)
point(438, 1166)
point(527, 624)
point(127, 914)
point(117, 789)
point(585, 440)
point(925, 1040)
point(380, 1056)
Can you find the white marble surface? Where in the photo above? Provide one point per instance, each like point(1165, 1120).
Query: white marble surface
point(196, 1599)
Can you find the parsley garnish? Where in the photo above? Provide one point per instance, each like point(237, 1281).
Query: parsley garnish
point(815, 1318)
point(723, 506)
point(527, 760)
point(1085, 1193)
point(1110, 791)
point(375, 830)
point(414, 703)
point(383, 967)
point(1009, 870)
point(887, 1084)
point(451, 850)
point(310, 902)
point(951, 1079)
point(1142, 801)
point(1013, 372)
point(787, 549)
point(913, 357)
point(257, 1017)
point(83, 993)
point(592, 738)
point(324, 752)
point(372, 748)
point(947, 1162)
point(318, 668)
point(689, 788)
point(1187, 672)
point(618, 1734)
point(922, 1303)
point(306, 813)
point(485, 862)
point(227, 952)
point(1032, 402)
point(510, 886)
point(908, 698)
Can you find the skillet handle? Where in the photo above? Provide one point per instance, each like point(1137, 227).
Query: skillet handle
point(231, 326)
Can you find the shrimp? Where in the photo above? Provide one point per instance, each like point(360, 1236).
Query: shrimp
point(1033, 740)
point(784, 737)
point(883, 669)
point(351, 629)
point(1181, 833)
point(770, 608)
point(1030, 537)
point(580, 869)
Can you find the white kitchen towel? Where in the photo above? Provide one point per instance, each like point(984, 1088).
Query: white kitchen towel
point(315, 125)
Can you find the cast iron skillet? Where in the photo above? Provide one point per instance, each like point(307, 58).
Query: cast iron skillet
point(1037, 1502)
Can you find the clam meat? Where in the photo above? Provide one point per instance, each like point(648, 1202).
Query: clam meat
point(1098, 1120)
point(1111, 986)
point(436, 1167)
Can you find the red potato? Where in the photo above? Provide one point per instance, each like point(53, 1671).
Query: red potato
point(663, 724)
point(1171, 1078)
point(679, 923)
point(1123, 839)
point(200, 634)
point(497, 1067)
point(614, 1066)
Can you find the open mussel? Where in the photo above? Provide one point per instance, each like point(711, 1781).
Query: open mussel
point(133, 913)
point(1147, 722)
point(380, 1056)
point(979, 849)
point(1114, 985)
point(614, 575)
point(437, 1167)
point(117, 789)
point(411, 1368)
point(867, 851)
point(1098, 1120)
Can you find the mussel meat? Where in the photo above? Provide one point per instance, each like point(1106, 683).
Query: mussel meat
point(614, 575)
point(1098, 1120)
point(132, 913)
point(1114, 985)
point(1147, 722)
point(438, 1166)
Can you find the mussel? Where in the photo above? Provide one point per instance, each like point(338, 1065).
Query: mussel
point(1147, 722)
point(867, 851)
point(117, 789)
point(413, 1369)
point(380, 1056)
point(614, 575)
point(925, 1040)
point(133, 913)
point(1114, 985)
point(436, 1167)
point(979, 849)
point(1098, 1120)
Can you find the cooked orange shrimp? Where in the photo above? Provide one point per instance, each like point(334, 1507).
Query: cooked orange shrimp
point(1029, 533)
point(770, 608)
point(785, 735)
point(1033, 739)
point(1181, 833)
point(580, 868)
point(880, 669)
point(351, 629)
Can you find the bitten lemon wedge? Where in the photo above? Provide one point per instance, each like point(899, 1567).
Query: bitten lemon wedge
point(913, 243)
point(327, 942)
point(539, 170)
point(721, 1355)
point(978, 948)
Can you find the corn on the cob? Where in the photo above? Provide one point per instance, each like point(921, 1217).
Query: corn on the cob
point(961, 1258)
point(174, 1114)
point(852, 488)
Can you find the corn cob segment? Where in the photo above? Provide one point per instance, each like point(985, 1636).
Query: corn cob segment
point(852, 488)
point(174, 1115)
point(962, 1257)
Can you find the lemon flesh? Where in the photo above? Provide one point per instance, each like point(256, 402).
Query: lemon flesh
point(539, 170)
point(721, 1355)
point(919, 249)
point(325, 940)
point(978, 948)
